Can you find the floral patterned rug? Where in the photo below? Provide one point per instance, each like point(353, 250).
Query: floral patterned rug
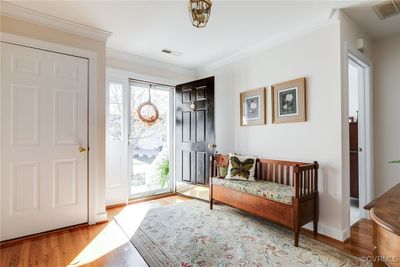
point(190, 234)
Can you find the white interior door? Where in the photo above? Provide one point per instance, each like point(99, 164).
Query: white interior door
point(44, 111)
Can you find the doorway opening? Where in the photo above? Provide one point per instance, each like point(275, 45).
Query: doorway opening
point(359, 117)
point(150, 152)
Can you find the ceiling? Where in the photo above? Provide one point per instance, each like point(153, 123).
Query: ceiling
point(365, 17)
point(146, 27)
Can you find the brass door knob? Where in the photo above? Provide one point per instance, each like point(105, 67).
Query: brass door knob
point(82, 149)
point(211, 146)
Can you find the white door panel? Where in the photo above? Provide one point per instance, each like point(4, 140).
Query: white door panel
point(43, 124)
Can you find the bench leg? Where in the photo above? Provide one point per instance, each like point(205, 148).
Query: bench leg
point(315, 227)
point(296, 238)
point(211, 204)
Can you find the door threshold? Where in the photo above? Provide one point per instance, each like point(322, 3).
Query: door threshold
point(143, 199)
point(188, 183)
point(192, 197)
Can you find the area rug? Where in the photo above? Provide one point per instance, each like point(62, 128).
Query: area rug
point(190, 234)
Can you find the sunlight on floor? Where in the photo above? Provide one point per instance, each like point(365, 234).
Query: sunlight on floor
point(132, 216)
point(201, 192)
point(110, 238)
point(116, 233)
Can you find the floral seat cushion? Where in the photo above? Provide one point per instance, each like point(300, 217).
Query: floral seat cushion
point(269, 190)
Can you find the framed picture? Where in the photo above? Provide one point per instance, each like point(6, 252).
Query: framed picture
point(289, 101)
point(252, 107)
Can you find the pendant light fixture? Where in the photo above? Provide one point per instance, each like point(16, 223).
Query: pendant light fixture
point(199, 12)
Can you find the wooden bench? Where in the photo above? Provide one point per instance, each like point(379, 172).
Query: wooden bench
point(303, 177)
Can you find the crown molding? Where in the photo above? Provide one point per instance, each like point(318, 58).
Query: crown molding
point(267, 44)
point(14, 11)
point(152, 63)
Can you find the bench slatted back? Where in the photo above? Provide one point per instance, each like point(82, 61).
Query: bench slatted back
point(276, 171)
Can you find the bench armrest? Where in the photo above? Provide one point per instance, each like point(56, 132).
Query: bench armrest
point(305, 179)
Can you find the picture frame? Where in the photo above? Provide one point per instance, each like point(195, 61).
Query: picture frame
point(253, 107)
point(289, 101)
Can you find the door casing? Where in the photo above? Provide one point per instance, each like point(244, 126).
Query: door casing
point(365, 136)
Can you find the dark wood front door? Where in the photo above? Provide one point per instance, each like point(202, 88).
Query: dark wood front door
point(194, 103)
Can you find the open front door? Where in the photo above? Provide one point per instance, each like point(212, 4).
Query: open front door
point(194, 102)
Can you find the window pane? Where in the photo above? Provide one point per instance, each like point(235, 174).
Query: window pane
point(115, 109)
point(115, 94)
point(115, 132)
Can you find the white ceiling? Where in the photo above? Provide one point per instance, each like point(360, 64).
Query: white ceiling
point(366, 17)
point(146, 27)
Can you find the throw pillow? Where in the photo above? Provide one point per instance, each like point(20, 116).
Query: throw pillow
point(221, 162)
point(241, 168)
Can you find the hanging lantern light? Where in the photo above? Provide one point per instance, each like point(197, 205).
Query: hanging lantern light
point(199, 12)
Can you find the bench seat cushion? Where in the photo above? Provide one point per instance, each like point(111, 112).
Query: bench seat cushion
point(269, 190)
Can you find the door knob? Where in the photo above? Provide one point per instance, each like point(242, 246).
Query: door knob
point(193, 106)
point(211, 146)
point(82, 149)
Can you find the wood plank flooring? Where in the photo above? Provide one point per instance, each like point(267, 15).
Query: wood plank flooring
point(106, 244)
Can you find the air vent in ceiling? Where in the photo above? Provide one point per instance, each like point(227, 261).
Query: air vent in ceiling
point(171, 52)
point(387, 9)
point(166, 51)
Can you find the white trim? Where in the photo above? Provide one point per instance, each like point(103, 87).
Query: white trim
point(123, 75)
point(95, 213)
point(141, 76)
point(329, 231)
point(14, 11)
point(265, 45)
point(366, 188)
point(156, 64)
point(119, 193)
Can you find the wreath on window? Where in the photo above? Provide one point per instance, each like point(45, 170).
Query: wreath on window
point(147, 113)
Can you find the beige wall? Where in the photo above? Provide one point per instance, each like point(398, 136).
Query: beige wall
point(22, 28)
point(315, 55)
point(386, 74)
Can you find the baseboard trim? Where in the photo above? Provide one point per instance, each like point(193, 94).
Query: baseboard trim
point(100, 217)
point(13, 241)
point(116, 205)
point(330, 232)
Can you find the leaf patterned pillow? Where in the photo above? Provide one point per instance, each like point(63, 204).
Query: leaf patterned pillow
point(241, 168)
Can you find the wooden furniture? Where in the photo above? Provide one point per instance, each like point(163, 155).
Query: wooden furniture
point(353, 134)
point(302, 176)
point(385, 214)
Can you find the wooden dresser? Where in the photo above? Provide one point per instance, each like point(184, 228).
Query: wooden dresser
point(385, 215)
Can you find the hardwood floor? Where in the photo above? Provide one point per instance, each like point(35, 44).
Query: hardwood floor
point(106, 244)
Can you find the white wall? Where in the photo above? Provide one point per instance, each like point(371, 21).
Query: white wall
point(386, 57)
point(350, 32)
point(316, 55)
